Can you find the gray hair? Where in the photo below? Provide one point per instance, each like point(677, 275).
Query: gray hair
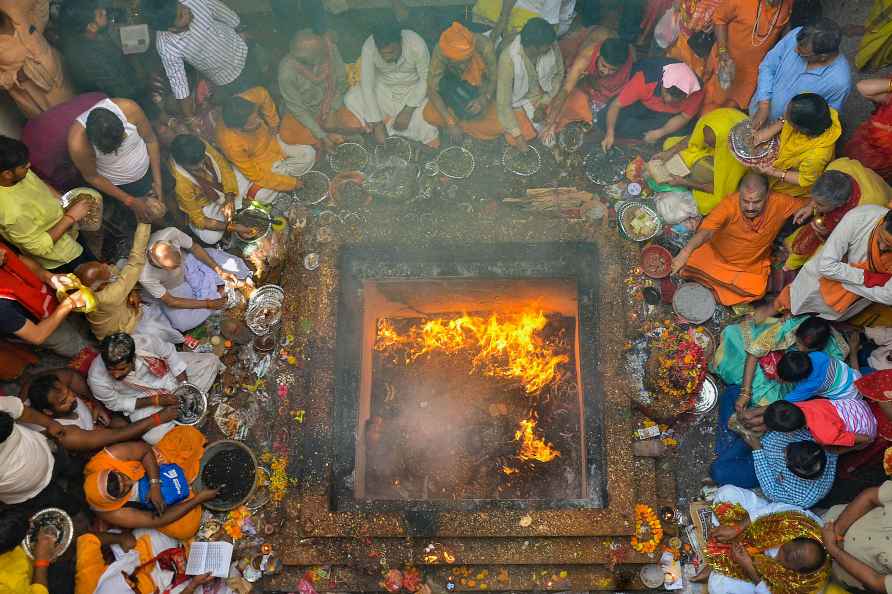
point(117, 348)
point(833, 188)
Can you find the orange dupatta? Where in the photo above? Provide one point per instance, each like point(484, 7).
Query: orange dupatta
point(836, 295)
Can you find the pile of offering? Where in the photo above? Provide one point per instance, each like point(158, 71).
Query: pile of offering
point(349, 156)
point(744, 149)
point(265, 309)
point(230, 467)
point(605, 168)
point(523, 163)
point(394, 146)
point(93, 219)
point(193, 404)
point(315, 189)
point(455, 162)
point(56, 522)
point(257, 222)
point(638, 222)
point(675, 372)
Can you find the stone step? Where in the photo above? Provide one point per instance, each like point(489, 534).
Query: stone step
point(481, 578)
point(474, 551)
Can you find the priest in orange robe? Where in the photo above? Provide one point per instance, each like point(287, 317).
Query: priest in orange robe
point(731, 251)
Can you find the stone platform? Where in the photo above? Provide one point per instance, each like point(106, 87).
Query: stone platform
point(490, 549)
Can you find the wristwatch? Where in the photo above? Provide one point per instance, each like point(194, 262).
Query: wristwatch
point(156, 481)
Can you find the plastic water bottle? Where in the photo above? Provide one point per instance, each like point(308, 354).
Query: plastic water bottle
point(727, 70)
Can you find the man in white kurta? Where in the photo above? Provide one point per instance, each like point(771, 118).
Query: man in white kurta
point(26, 462)
point(756, 507)
point(156, 367)
point(849, 243)
point(387, 88)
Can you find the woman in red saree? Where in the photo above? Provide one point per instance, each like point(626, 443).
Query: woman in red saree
point(872, 141)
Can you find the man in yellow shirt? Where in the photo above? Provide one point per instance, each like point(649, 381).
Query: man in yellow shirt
point(18, 573)
point(31, 217)
point(248, 136)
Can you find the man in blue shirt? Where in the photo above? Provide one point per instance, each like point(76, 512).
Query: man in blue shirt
point(789, 467)
point(806, 60)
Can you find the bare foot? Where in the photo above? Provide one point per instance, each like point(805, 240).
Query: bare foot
point(702, 576)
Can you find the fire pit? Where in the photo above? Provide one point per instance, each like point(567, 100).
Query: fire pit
point(467, 379)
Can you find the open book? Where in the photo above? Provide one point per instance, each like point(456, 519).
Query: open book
point(213, 557)
point(663, 172)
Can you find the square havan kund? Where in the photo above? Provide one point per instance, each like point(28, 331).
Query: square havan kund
point(467, 379)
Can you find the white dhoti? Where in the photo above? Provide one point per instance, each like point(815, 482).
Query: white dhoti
point(391, 104)
point(153, 322)
point(201, 370)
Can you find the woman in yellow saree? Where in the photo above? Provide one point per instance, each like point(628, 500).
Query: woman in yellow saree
point(808, 134)
point(715, 172)
point(875, 50)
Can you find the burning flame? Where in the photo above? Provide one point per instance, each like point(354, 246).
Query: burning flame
point(508, 347)
point(532, 447)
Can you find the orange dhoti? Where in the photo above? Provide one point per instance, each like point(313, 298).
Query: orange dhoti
point(182, 446)
point(486, 127)
point(730, 284)
point(291, 131)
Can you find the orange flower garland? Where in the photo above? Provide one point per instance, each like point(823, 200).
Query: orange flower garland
point(646, 523)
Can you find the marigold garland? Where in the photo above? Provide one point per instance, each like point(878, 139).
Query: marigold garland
point(681, 365)
point(646, 519)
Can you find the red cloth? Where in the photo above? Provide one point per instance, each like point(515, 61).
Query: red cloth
point(769, 363)
point(824, 422)
point(876, 386)
point(872, 142)
point(18, 283)
point(875, 279)
point(639, 90)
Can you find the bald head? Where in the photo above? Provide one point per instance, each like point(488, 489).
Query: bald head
point(94, 275)
point(164, 254)
point(753, 192)
point(307, 47)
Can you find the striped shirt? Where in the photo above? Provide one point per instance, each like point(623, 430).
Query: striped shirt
point(210, 44)
point(829, 378)
point(778, 482)
point(835, 422)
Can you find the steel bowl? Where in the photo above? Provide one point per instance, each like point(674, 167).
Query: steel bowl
point(740, 140)
point(56, 518)
point(254, 218)
point(265, 309)
point(193, 404)
point(623, 217)
point(708, 397)
point(349, 156)
point(530, 150)
point(85, 224)
point(694, 303)
point(313, 177)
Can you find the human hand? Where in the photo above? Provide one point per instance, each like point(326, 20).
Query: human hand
point(166, 399)
point(743, 401)
point(740, 556)
point(663, 156)
point(77, 299)
point(157, 498)
point(101, 416)
point(829, 535)
point(219, 303)
point(724, 533)
point(158, 191)
point(520, 143)
point(802, 214)
point(678, 181)
point(169, 413)
point(140, 209)
point(548, 134)
point(55, 430)
point(60, 281)
point(455, 133)
point(403, 119)
point(761, 116)
point(653, 136)
point(244, 230)
point(78, 210)
point(475, 106)
point(379, 132)
point(197, 582)
point(45, 548)
point(854, 340)
point(767, 169)
point(226, 275)
point(126, 540)
point(679, 261)
point(607, 143)
point(208, 494)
